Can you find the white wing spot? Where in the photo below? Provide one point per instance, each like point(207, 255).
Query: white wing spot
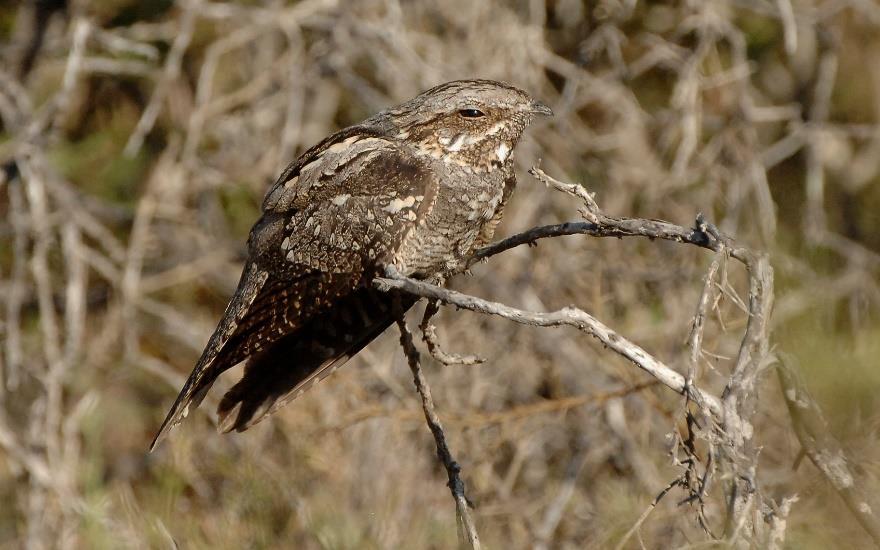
point(312, 164)
point(397, 205)
point(342, 145)
point(339, 200)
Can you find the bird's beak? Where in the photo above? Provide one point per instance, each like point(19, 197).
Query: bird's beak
point(539, 108)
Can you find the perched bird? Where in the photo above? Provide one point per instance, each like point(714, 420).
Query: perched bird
point(418, 187)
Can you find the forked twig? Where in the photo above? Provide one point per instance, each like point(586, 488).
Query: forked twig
point(429, 335)
point(728, 415)
point(568, 316)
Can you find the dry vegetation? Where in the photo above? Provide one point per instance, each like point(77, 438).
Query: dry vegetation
point(137, 140)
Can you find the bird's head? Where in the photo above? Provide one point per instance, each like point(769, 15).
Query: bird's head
point(470, 122)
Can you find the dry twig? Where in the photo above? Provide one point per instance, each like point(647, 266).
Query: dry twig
point(728, 415)
point(467, 527)
point(824, 451)
point(225, 79)
point(429, 335)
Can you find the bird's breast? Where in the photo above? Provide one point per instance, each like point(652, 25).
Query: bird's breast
point(444, 237)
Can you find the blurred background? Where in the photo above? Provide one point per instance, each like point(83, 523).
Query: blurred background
point(138, 138)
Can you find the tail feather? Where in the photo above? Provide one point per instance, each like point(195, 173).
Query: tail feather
point(263, 310)
point(208, 367)
point(300, 360)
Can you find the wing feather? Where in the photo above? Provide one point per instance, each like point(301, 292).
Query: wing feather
point(331, 220)
point(203, 375)
point(302, 359)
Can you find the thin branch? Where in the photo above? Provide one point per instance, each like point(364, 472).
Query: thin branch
point(824, 451)
point(635, 527)
point(732, 413)
point(703, 234)
point(467, 527)
point(429, 335)
point(695, 340)
point(170, 73)
point(568, 316)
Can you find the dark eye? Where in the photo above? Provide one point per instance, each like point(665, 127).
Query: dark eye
point(471, 113)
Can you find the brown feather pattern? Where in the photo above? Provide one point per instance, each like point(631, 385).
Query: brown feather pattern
point(417, 187)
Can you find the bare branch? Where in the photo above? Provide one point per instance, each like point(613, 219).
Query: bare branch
point(695, 340)
point(429, 335)
point(170, 73)
point(824, 451)
point(467, 527)
point(704, 234)
point(732, 413)
point(569, 316)
point(635, 527)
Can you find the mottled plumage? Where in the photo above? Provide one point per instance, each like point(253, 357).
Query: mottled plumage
point(418, 186)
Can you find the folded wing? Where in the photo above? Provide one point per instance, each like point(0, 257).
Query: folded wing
point(305, 304)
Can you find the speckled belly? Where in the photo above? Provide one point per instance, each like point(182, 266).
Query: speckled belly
point(445, 237)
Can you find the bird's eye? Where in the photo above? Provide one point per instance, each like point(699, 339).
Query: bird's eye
point(471, 113)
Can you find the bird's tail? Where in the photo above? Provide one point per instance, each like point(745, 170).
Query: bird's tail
point(298, 361)
point(212, 363)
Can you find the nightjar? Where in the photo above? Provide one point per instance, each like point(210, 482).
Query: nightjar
point(418, 186)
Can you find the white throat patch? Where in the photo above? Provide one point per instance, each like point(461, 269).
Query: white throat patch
point(503, 151)
point(457, 143)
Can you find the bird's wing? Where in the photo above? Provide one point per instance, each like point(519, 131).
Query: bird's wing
point(350, 225)
point(328, 221)
point(300, 360)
